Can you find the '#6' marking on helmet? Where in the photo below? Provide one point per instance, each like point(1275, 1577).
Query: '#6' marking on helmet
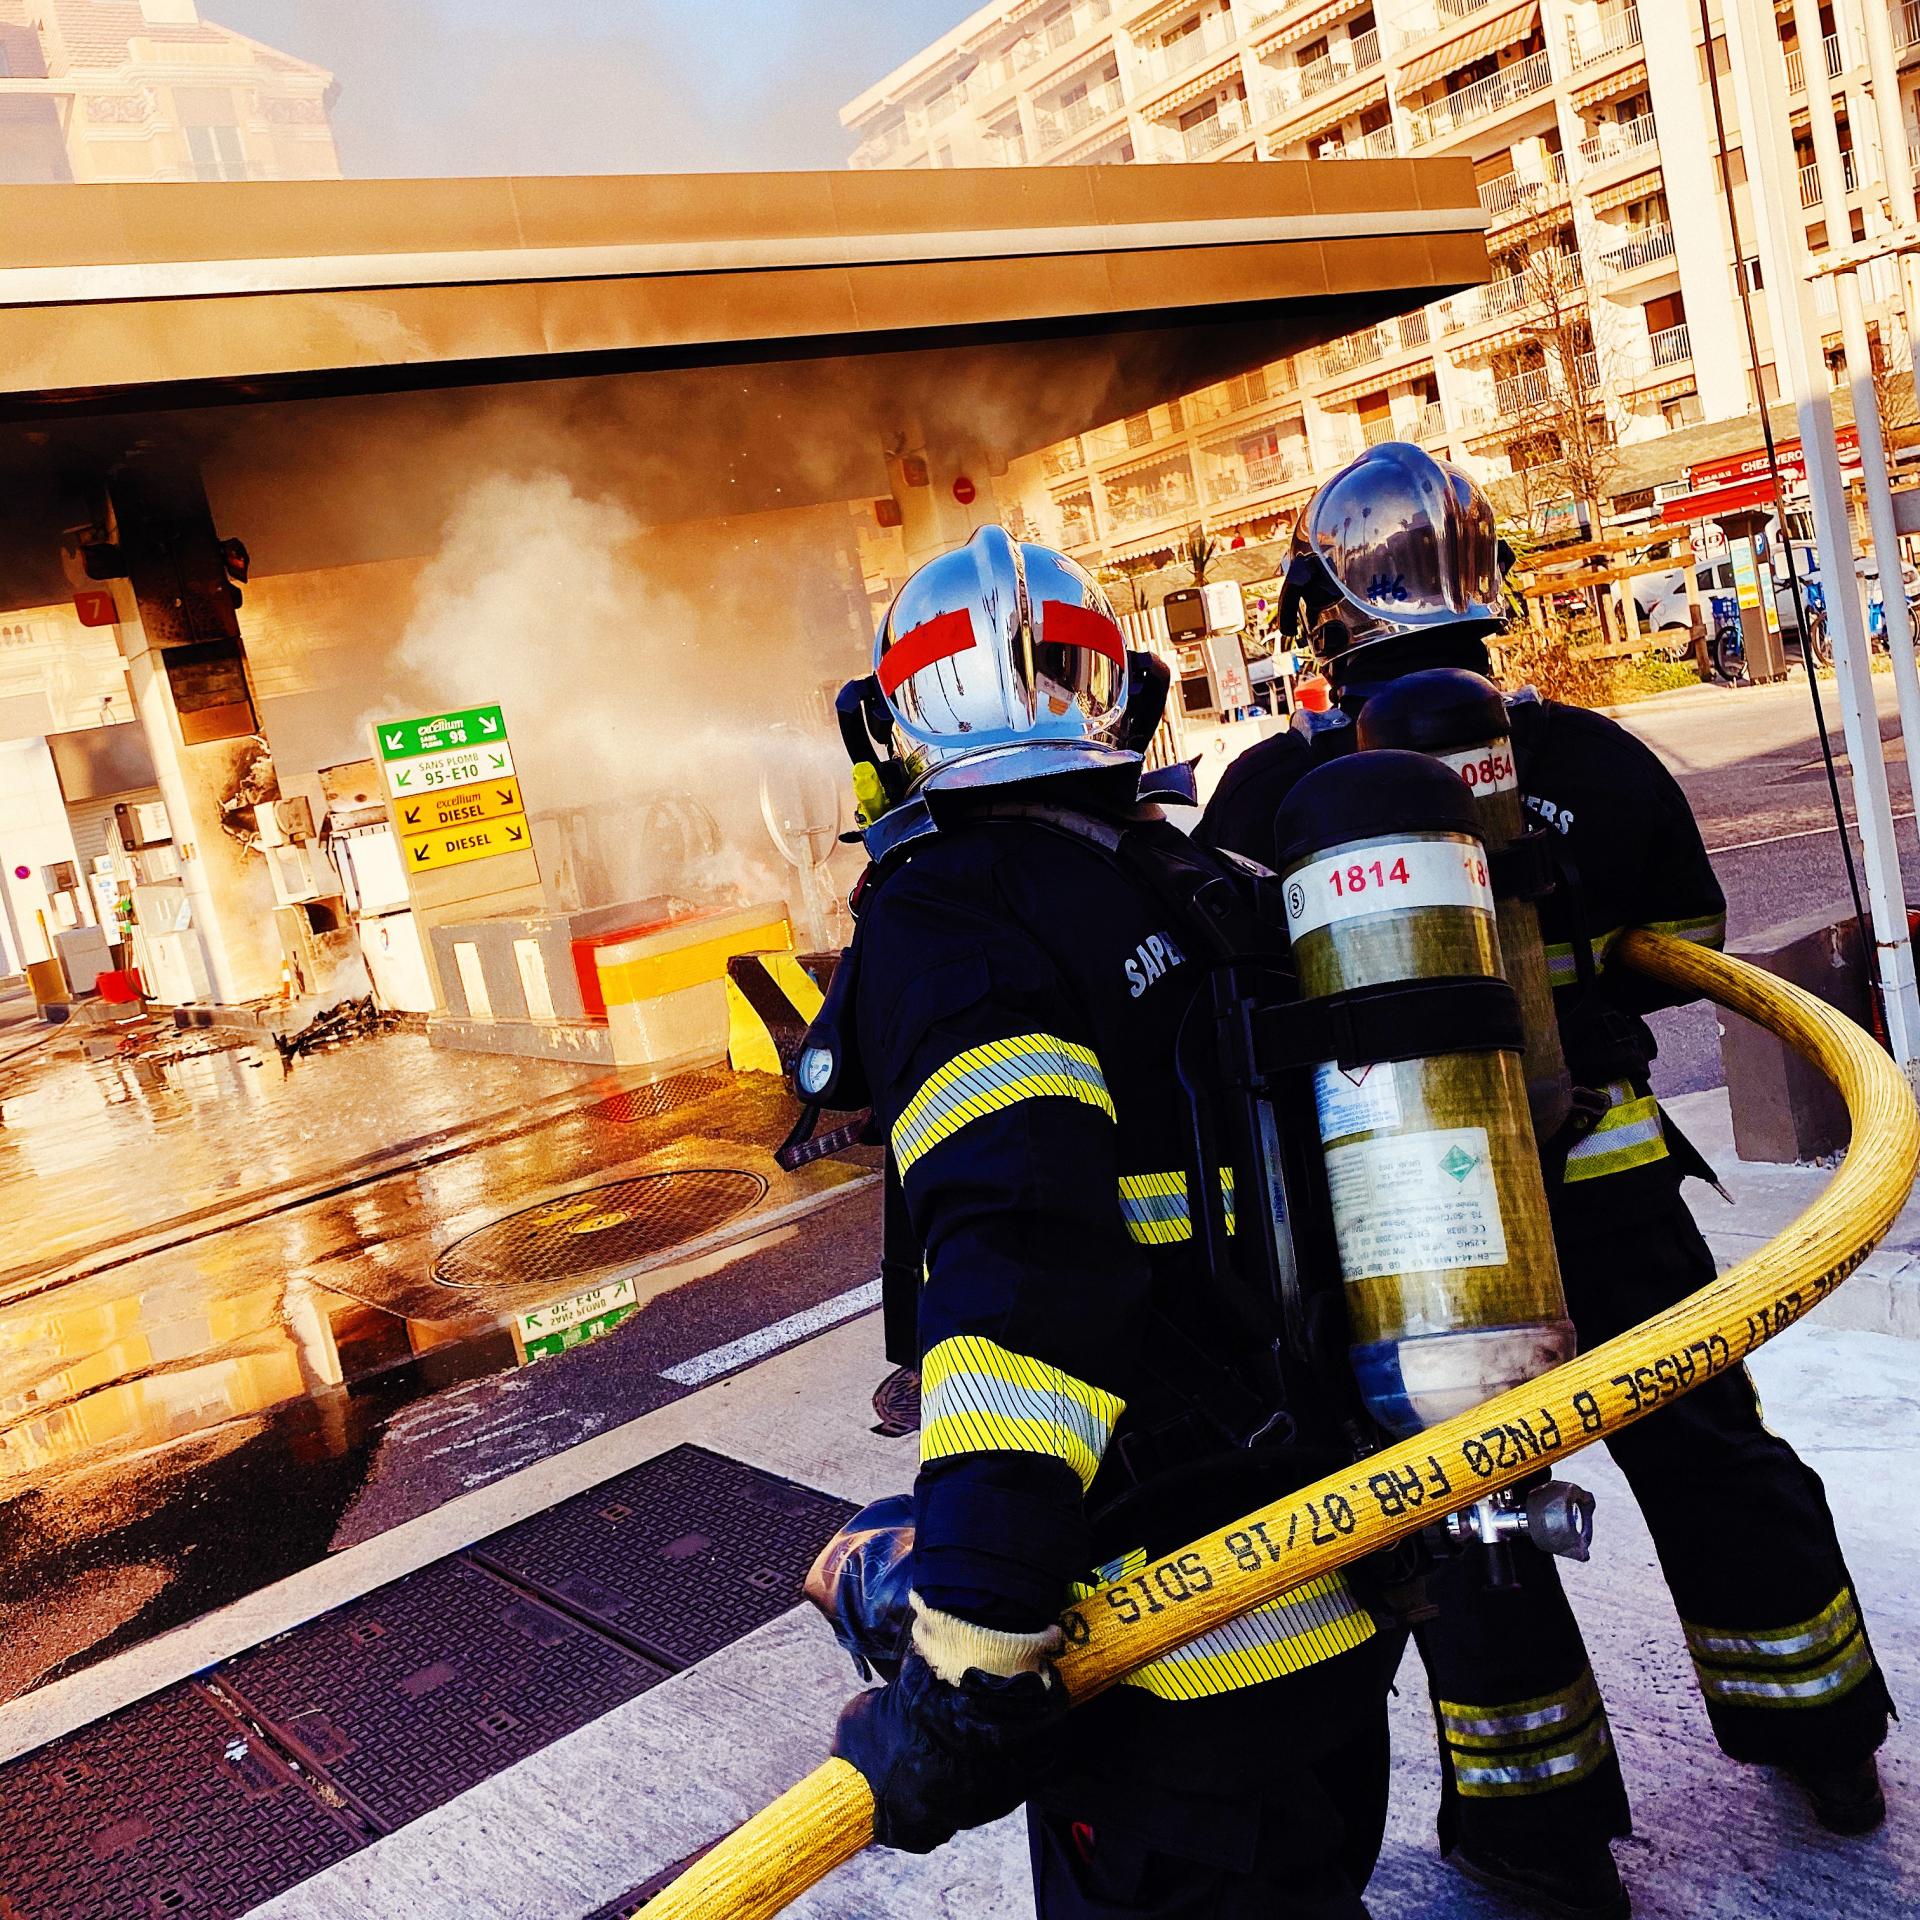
point(1387, 586)
point(1155, 955)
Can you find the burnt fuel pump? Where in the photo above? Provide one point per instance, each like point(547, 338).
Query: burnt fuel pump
point(1433, 1180)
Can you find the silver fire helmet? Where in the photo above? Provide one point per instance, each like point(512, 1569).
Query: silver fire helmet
point(1002, 661)
point(1396, 544)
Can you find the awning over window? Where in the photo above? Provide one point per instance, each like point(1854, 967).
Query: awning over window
point(1337, 110)
point(1637, 187)
point(1514, 23)
point(1373, 380)
point(1627, 80)
point(1302, 24)
point(1196, 89)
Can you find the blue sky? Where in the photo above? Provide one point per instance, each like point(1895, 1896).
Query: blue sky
point(593, 86)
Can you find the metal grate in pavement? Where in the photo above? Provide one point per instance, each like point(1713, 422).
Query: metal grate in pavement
point(687, 1552)
point(432, 1685)
point(614, 1225)
point(633, 1104)
point(167, 1808)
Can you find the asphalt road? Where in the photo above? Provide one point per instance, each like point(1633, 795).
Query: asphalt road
point(1749, 760)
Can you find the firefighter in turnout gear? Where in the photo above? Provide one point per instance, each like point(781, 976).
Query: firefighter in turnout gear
point(1394, 572)
point(1027, 949)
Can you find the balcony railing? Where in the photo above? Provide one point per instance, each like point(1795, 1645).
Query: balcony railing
point(1443, 118)
point(1070, 26)
point(1910, 23)
point(1374, 433)
point(1516, 193)
point(1061, 124)
point(878, 148)
point(1810, 189)
point(1671, 346)
point(1254, 473)
point(1383, 140)
point(1169, 62)
point(1443, 17)
point(1075, 530)
point(1353, 351)
point(1546, 274)
point(1654, 243)
point(1206, 136)
point(1430, 423)
point(1134, 509)
point(1614, 34)
point(1064, 456)
point(1615, 142)
point(1519, 393)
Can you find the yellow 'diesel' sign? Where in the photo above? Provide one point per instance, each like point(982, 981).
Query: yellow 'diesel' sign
point(455, 846)
point(457, 807)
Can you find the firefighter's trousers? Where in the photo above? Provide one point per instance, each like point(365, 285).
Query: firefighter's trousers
point(1747, 1545)
point(1224, 1815)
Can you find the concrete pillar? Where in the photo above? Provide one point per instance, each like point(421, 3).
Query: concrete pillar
point(180, 636)
point(945, 490)
point(1703, 246)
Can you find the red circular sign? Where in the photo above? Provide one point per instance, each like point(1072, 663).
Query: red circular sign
point(22, 873)
point(964, 490)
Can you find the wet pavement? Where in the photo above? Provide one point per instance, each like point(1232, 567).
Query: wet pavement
point(247, 1317)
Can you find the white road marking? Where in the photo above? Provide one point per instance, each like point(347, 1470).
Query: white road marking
point(1802, 833)
point(783, 1333)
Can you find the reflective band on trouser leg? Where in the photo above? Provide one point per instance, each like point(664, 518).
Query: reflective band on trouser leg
point(977, 1397)
point(1288, 1635)
point(1561, 968)
point(1154, 1206)
point(1526, 1746)
point(1809, 1664)
point(983, 1080)
point(1629, 1135)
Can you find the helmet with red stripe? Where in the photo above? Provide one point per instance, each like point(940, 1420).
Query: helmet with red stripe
point(1002, 661)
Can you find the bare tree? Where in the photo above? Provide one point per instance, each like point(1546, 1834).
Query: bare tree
point(1198, 552)
point(1557, 392)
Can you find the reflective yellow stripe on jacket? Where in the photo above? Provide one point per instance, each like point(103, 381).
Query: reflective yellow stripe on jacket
point(979, 1397)
point(1629, 1135)
point(1517, 1747)
point(1287, 1635)
point(991, 1078)
point(1704, 930)
point(1155, 1208)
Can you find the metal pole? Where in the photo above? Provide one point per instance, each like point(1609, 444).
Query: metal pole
point(1895, 162)
point(1866, 401)
point(1760, 80)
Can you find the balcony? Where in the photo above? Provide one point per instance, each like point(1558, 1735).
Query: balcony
point(1546, 273)
point(1058, 125)
point(1062, 458)
point(1514, 195)
point(878, 148)
point(1430, 423)
point(1810, 189)
point(1651, 244)
point(1076, 530)
point(1143, 509)
point(1164, 63)
point(1520, 393)
point(1208, 136)
point(1615, 34)
point(1909, 23)
point(1323, 76)
point(1353, 351)
point(1671, 346)
point(1443, 118)
point(1617, 142)
point(1797, 65)
point(1236, 478)
point(1035, 47)
point(1444, 16)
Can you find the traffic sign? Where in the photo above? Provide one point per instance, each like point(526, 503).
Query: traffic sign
point(458, 807)
point(439, 733)
point(436, 772)
point(552, 1329)
point(455, 846)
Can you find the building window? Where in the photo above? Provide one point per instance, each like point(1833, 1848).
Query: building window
point(216, 153)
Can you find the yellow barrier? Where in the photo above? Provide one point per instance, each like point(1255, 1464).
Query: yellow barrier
point(828, 1817)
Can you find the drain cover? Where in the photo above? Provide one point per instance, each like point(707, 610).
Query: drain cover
point(600, 1228)
point(431, 1685)
point(165, 1808)
point(633, 1104)
point(687, 1552)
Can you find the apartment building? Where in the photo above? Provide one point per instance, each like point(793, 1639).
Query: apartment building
point(148, 90)
point(1589, 128)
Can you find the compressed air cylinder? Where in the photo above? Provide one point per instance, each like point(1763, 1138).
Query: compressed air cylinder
point(1460, 719)
point(1439, 1211)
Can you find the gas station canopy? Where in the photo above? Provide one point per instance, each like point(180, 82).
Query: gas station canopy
point(168, 296)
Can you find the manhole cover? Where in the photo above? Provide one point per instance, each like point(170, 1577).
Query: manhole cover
point(634, 1104)
point(603, 1227)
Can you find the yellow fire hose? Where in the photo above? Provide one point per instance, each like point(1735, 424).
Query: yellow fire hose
point(828, 1817)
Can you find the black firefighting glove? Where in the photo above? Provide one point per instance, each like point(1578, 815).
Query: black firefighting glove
point(961, 1736)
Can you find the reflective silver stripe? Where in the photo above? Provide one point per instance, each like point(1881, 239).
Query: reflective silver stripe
point(1845, 1672)
point(1579, 1756)
point(1816, 1636)
point(986, 1079)
point(1155, 1207)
